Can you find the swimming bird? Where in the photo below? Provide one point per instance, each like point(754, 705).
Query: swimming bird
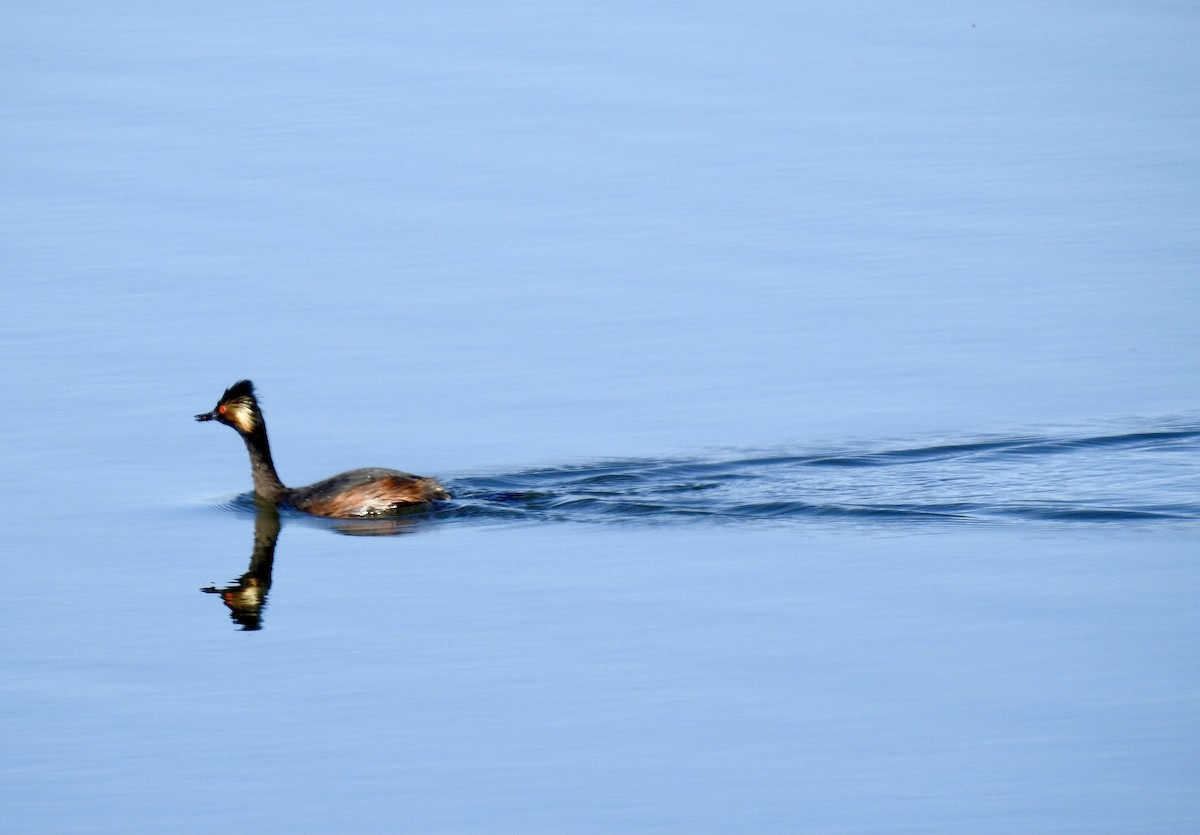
point(371, 491)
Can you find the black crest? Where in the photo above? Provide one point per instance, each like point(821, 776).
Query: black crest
point(240, 389)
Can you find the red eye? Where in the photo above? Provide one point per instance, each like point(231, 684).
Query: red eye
point(221, 408)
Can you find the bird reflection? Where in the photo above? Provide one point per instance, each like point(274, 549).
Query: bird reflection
point(246, 597)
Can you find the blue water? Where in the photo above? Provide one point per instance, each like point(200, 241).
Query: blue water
point(817, 385)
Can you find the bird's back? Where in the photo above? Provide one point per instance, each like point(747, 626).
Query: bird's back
point(370, 491)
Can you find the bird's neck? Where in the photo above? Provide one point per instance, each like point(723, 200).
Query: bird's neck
point(266, 481)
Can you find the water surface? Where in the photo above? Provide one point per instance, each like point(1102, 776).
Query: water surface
point(817, 384)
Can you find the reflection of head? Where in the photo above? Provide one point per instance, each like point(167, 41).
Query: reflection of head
point(245, 601)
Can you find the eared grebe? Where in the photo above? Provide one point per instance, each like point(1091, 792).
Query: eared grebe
point(373, 491)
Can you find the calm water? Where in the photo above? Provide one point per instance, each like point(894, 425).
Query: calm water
point(818, 387)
